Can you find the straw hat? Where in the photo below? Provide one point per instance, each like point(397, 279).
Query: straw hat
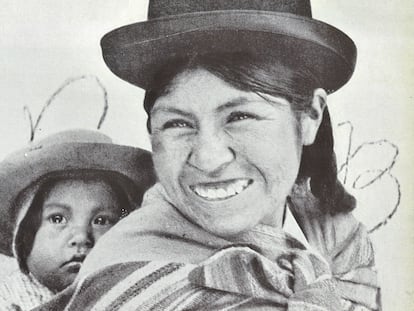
point(181, 28)
point(68, 151)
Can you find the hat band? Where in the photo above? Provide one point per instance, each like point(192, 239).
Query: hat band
point(163, 8)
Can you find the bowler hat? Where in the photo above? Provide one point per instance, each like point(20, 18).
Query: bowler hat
point(178, 29)
point(68, 152)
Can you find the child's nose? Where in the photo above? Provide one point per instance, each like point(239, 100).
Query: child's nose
point(81, 237)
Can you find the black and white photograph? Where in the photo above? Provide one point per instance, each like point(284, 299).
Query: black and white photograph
point(206, 155)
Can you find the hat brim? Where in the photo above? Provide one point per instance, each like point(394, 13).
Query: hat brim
point(27, 167)
point(136, 52)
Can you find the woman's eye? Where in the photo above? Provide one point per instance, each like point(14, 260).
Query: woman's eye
point(57, 219)
point(239, 116)
point(104, 221)
point(177, 124)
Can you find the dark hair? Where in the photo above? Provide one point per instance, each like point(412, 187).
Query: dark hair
point(31, 221)
point(266, 75)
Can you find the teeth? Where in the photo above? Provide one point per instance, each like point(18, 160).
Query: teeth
point(231, 191)
point(223, 191)
point(202, 192)
point(239, 186)
point(210, 193)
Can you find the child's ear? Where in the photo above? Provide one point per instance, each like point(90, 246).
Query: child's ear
point(311, 120)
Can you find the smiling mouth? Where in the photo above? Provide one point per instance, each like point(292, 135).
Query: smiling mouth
point(221, 190)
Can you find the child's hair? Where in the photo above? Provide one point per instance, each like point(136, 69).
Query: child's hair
point(30, 224)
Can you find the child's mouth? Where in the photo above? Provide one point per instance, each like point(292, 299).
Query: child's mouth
point(74, 264)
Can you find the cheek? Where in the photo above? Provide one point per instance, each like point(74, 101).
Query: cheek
point(169, 155)
point(273, 148)
point(44, 248)
point(157, 143)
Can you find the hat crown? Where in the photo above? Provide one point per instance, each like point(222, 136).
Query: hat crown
point(164, 8)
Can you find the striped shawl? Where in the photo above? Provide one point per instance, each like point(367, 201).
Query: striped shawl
point(155, 259)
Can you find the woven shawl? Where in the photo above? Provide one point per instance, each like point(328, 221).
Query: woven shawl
point(155, 259)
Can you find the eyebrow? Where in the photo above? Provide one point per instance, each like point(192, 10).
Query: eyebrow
point(237, 102)
point(58, 205)
point(242, 101)
point(172, 110)
point(96, 209)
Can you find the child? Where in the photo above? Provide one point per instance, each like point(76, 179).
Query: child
point(58, 198)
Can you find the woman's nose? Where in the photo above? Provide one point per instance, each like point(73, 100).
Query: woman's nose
point(211, 153)
point(81, 237)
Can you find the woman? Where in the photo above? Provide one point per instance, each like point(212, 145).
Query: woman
point(236, 102)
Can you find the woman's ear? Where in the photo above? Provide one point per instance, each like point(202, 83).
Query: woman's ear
point(311, 119)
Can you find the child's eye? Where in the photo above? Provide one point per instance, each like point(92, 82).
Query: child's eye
point(104, 221)
point(239, 116)
point(57, 219)
point(178, 123)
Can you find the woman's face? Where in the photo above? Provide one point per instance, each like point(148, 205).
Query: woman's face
point(227, 158)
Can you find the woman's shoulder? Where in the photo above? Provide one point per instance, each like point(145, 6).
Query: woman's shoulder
point(126, 282)
point(134, 241)
point(156, 231)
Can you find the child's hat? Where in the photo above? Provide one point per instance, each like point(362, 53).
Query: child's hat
point(68, 151)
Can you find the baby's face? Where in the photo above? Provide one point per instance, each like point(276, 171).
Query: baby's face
point(75, 214)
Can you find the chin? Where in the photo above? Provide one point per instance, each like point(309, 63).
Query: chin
point(229, 229)
point(65, 282)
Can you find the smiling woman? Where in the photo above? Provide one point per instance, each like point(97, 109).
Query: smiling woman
point(209, 140)
point(236, 106)
point(236, 95)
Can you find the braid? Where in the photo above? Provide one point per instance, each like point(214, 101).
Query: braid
point(319, 163)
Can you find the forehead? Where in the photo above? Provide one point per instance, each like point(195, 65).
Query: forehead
point(79, 193)
point(199, 93)
point(199, 89)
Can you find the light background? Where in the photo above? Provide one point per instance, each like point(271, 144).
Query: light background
point(43, 43)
